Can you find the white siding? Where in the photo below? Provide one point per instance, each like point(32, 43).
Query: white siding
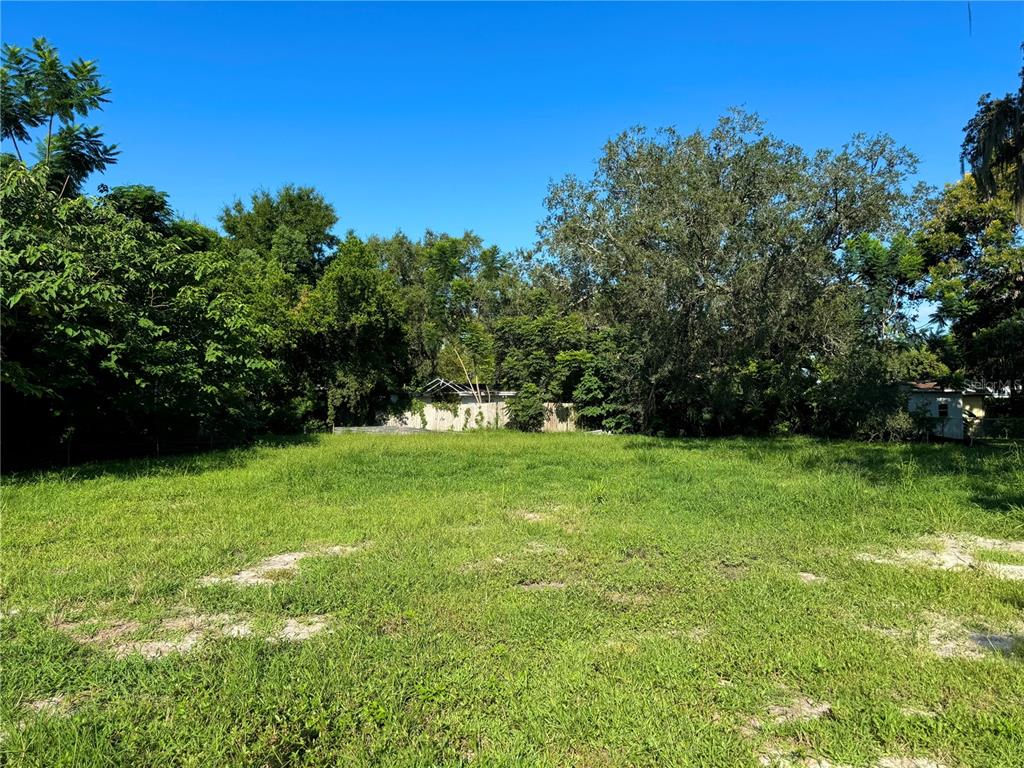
point(952, 426)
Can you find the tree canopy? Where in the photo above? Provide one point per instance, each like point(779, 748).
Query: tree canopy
point(707, 283)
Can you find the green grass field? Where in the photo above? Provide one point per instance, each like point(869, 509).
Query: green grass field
point(499, 599)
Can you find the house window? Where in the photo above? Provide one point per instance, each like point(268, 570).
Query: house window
point(943, 410)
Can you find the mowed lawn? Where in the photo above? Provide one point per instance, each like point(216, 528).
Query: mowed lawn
point(499, 599)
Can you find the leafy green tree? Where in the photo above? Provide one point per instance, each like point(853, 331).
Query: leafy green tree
point(453, 289)
point(145, 203)
point(351, 334)
point(115, 331)
point(717, 259)
point(993, 147)
point(40, 91)
point(294, 226)
point(889, 276)
point(526, 409)
point(973, 246)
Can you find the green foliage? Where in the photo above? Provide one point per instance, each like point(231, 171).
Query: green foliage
point(293, 226)
point(40, 91)
point(717, 283)
point(526, 409)
point(993, 147)
point(973, 246)
point(894, 425)
point(717, 260)
point(350, 334)
point(112, 329)
point(589, 399)
point(888, 276)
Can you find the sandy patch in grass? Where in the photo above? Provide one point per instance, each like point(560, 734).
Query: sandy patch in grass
point(955, 552)
point(798, 709)
point(476, 566)
point(696, 634)
point(733, 570)
point(788, 756)
point(155, 649)
point(540, 548)
point(951, 638)
point(183, 633)
point(791, 754)
point(629, 599)
point(98, 633)
point(531, 517)
point(910, 711)
point(536, 586)
point(809, 578)
point(54, 706)
point(297, 630)
point(279, 567)
point(178, 634)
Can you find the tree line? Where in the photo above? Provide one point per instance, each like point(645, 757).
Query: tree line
point(714, 283)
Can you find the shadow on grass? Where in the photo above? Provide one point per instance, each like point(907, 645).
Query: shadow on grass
point(179, 464)
point(991, 473)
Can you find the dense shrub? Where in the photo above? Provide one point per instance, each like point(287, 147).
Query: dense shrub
point(526, 409)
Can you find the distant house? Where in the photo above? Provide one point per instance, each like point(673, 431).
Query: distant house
point(955, 414)
point(444, 406)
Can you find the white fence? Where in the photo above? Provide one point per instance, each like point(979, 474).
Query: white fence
point(444, 417)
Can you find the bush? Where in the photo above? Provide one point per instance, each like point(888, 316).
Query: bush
point(526, 409)
point(895, 426)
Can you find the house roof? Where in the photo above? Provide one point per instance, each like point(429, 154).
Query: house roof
point(933, 387)
point(439, 385)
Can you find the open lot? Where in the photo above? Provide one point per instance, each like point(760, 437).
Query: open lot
point(506, 599)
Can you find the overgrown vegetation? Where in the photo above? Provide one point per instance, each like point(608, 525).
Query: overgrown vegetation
point(505, 599)
point(705, 284)
point(526, 409)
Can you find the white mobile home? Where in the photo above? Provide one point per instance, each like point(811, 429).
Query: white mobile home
point(955, 413)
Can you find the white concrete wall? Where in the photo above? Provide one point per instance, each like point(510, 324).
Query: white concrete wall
point(561, 417)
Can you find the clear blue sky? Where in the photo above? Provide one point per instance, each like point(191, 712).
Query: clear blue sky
point(457, 116)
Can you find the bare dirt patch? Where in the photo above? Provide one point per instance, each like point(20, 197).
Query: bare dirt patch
point(541, 548)
point(98, 632)
point(953, 638)
point(789, 756)
point(536, 586)
point(302, 628)
point(911, 711)
point(532, 517)
point(696, 634)
point(54, 706)
point(183, 633)
point(629, 599)
point(955, 552)
point(178, 634)
point(155, 649)
point(733, 570)
point(477, 566)
point(797, 709)
point(809, 578)
point(281, 567)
